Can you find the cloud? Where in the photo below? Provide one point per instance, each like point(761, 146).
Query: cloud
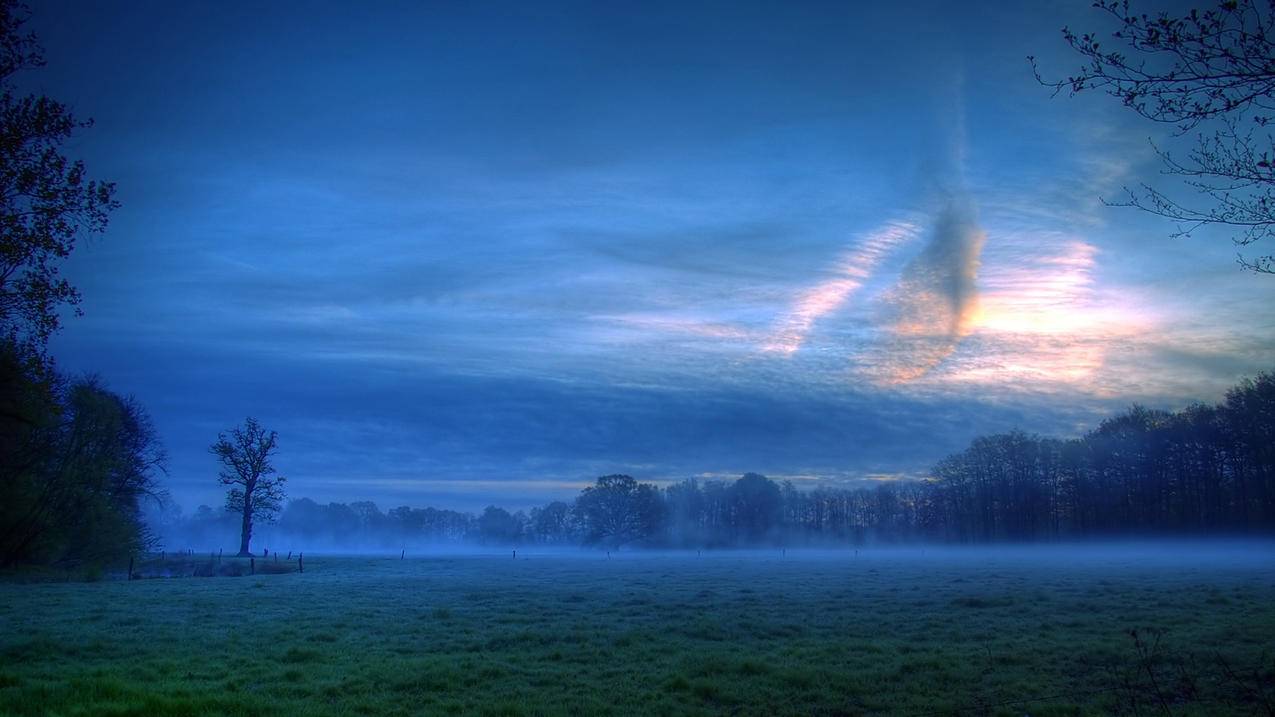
point(849, 275)
point(931, 308)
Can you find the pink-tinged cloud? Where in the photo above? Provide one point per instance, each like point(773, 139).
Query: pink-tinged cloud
point(1041, 322)
point(852, 271)
point(931, 309)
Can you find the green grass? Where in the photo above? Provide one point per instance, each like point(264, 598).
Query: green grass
point(656, 634)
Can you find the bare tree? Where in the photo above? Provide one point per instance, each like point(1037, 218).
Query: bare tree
point(255, 491)
point(1211, 71)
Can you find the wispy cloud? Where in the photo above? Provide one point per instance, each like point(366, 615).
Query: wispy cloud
point(851, 272)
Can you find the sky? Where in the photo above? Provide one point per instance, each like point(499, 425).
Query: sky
point(470, 253)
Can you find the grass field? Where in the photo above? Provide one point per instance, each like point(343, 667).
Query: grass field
point(892, 632)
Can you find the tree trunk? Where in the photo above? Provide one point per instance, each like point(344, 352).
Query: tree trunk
point(245, 533)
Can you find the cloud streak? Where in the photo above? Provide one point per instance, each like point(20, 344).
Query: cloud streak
point(852, 271)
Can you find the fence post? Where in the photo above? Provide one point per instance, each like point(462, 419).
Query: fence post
point(252, 565)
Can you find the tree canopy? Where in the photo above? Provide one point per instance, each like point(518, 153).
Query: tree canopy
point(47, 200)
point(1206, 71)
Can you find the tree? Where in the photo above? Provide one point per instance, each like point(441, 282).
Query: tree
point(551, 523)
point(255, 491)
point(46, 200)
point(1211, 70)
point(617, 510)
point(73, 493)
point(498, 527)
point(755, 500)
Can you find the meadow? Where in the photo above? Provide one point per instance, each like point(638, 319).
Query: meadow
point(1011, 631)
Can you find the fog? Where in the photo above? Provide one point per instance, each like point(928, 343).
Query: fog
point(209, 532)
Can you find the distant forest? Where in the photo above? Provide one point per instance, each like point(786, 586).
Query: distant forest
point(1205, 470)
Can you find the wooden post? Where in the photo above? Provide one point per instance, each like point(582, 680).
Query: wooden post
point(300, 562)
point(130, 567)
point(252, 565)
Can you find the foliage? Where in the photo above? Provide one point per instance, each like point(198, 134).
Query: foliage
point(1204, 470)
point(78, 462)
point(46, 200)
point(256, 493)
point(1211, 70)
point(498, 526)
point(617, 510)
point(75, 459)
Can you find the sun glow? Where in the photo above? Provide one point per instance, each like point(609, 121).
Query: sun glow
point(1043, 320)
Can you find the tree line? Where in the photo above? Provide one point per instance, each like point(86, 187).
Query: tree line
point(1202, 471)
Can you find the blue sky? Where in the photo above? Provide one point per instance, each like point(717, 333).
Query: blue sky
point(469, 253)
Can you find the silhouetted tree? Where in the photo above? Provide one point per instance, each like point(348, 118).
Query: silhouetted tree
point(553, 523)
point(255, 491)
point(76, 495)
point(756, 509)
point(46, 200)
point(497, 526)
point(617, 510)
point(1212, 70)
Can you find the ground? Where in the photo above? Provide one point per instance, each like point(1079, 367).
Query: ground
point(757, 633)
